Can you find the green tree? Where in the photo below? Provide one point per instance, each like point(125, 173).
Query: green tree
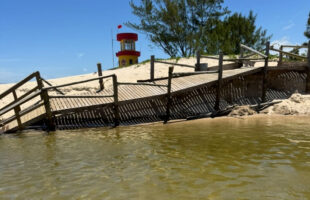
point(307, 32)
point(176, 26)
point(181, 27)
point(232, 31)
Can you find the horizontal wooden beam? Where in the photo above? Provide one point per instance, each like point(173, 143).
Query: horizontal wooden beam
point(79, 96)
point(18, 103)
point(77, 82)
point(17, 85)
point(147, 84)
point(48, 83)
point(169, 63)
point(252, 50)
point(287, 53)
point(193, 73)
point(21, 97)
point(294, 46)
point(22, 113)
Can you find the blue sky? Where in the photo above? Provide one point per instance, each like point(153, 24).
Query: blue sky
point(68, 37)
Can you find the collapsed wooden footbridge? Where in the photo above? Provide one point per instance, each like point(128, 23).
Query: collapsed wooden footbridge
point(177, 96)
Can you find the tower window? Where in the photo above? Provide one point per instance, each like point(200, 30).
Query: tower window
point(130, 61)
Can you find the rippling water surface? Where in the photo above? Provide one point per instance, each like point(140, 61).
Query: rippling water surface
point(256, 158)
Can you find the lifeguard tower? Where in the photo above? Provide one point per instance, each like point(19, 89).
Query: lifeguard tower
point(128, 54)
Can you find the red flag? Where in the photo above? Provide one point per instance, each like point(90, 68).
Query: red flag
point(119, 26)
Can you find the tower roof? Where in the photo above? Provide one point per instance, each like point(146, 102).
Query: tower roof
point(127, 36)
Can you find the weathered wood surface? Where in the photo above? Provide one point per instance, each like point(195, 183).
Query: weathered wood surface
point(190, 95)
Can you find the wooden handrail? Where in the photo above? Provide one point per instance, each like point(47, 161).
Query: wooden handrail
point(252, 50)
point(169, 63)
point(287, 53)
point(193, 73)
point(18, 103)
point(79, 96)
point(210, 57)
point(24, 112)
point(147, 84)
point(17, 85)
point(48, 83)
point(21, 97)
point(77, 82)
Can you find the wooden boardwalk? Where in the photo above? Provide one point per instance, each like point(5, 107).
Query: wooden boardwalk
point(178, 96)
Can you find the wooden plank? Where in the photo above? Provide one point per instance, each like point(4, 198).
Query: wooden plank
point(176, 64)
point(78, 96)
point(77, 82)
point(48, 83)
point(148, 84)
point(288, 53)
point(19, 98)
point(17, 85)
point(18, 103)
point(252, 50)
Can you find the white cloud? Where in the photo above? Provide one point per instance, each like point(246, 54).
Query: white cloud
point(289, 26)
point(80, 55)
point(282, 41)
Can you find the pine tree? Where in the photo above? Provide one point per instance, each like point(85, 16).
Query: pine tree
point(181, 27)
point(307, 32)
point(176, 26)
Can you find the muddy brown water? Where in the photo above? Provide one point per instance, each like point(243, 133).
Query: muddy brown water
point(227, 158)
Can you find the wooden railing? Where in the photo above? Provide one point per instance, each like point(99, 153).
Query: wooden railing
point(18, 101)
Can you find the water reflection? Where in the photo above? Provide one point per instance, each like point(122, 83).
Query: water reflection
point(261, 158)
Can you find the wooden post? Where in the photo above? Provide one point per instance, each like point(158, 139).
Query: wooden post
point(152, 68)
point(197, 66)
point(100, 74)
point(219, 83)
point(264, 86)
point(17, 110)
point(241, 52)
point(280, 56)
point(168, 95)
point(44, 96)
point(116, 109)
point(241, 56)
point(308, 71)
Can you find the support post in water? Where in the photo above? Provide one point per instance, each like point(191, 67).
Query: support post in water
point(308, 70)
point(44, 96)
point(280, 56)
point(264, 86)
point(168, 95)
point(219, 83)
point(100, 74)
point(116, 109)
point(152, 63)
point(197, 66)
